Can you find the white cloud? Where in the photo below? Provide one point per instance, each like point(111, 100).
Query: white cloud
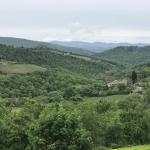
point(88, 20)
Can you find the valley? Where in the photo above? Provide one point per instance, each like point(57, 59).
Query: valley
point(74, 75)
point(53, 99)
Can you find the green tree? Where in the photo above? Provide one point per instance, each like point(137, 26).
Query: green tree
point(55, 96)
point(58, 129)
point(69, 92)
point(134, 77)
point(147, 97)
point(134, 118)
point(13, 129)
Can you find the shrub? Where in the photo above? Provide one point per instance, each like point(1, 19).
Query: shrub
point(69, 92)
point(55, 96)
point(76, 98)
point(57, 129)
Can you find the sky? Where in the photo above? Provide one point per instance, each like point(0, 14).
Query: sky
point(79, 20)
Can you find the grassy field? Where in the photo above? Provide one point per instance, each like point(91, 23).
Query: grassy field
point(19, 68)
point(144, 147)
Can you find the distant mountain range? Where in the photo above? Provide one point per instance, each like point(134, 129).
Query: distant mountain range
point(95, 46)
point(18, 42)
point(77, 47)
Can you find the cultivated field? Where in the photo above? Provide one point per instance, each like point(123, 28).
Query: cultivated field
point(19, 68)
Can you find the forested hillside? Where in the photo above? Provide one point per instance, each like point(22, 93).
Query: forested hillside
point(65, 101)
point(17, 42)
point(127, 55)
point(54, 58)
point(74, 75)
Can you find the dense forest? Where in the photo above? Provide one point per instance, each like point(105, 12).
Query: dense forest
point(131, 55)
point(53, 58)
point(18, 42)
point(74, 102)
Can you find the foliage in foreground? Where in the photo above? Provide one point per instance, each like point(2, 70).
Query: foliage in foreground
point(55, 128)
point(56, 109)
point(71, 125)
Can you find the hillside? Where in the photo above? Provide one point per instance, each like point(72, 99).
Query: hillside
point(52, 58)
point(127, 55)
point(71, 98)
point(18, 42)
point(74, 75)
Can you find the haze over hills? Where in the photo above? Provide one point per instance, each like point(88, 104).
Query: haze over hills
point(77, 47)
point(18, 42)
point(95, 46)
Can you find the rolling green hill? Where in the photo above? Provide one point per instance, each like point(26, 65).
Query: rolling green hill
point(54, 59)
point(17, 42)
point(70, 105)
point(127, 55)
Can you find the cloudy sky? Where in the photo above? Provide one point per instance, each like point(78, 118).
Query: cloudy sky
point(86, 20)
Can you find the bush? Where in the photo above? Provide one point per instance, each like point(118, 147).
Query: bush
point(147, 96)
point(102, 106)
point(58, 128)
point(89, 91)
point(76, 98)
point(121, 87)
point(69, 92)
point(135, 119)
point(55, 96)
